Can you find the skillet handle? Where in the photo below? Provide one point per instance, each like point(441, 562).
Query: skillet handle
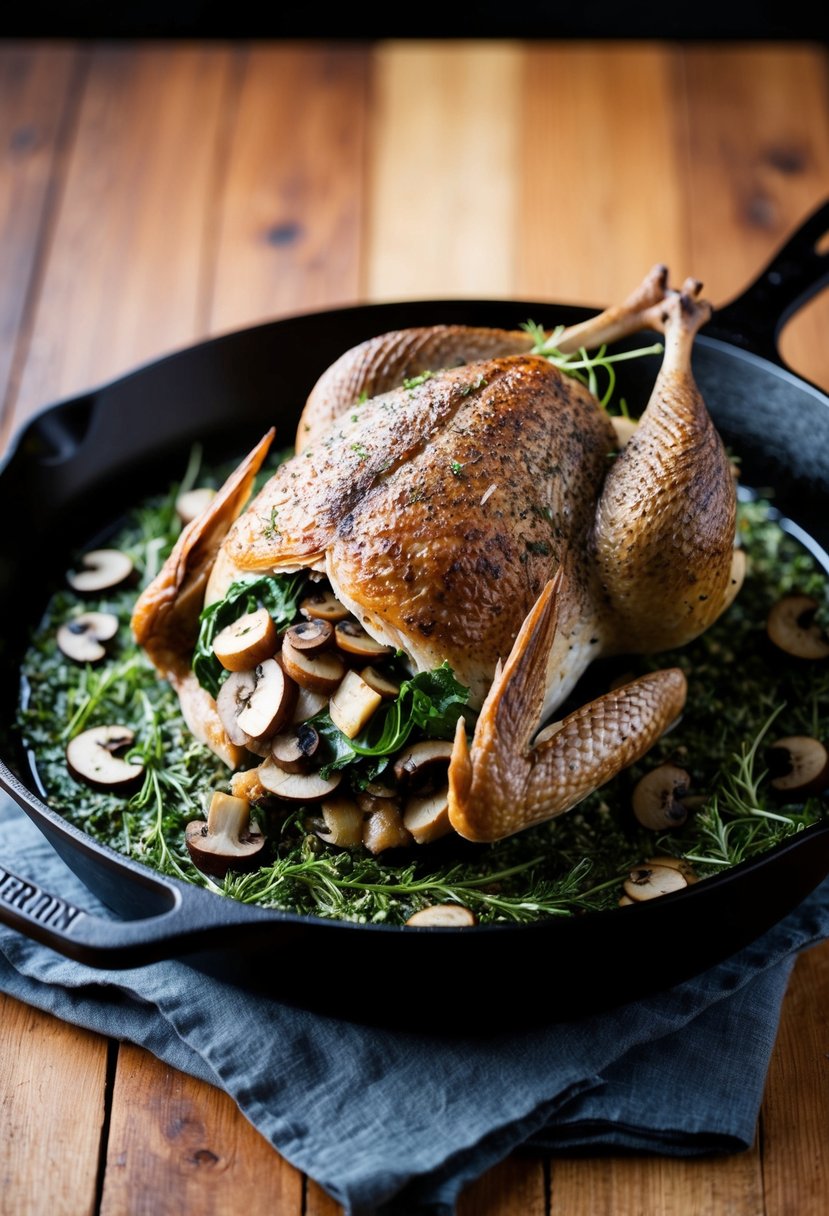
point(192, 919)
point(796, 273)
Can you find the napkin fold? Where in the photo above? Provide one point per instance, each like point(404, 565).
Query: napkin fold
point(392, 1123)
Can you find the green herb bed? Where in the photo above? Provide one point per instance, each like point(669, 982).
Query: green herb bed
point(743, 693)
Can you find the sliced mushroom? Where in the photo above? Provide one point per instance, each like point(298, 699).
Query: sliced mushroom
point(296, 787)
point(445, 916)
point(791, 626)
point(295, 746)
point(352, 704)
point(247, 641)
point(379, 789)
point(387, 688)
point(384, 829)
point(191, 503)
point(231, 699)
point(650, 881)
point(103, 569)
point(271, 703)
point(675, 863)
point(426, 816)
point(83, 638)
point(657, 797)
point(323, 605)
point(95, 756)
point(227, 840)
point(353, 639)
point(308, 704)
point(341, 823)
point(429, 758)
point(320, 672)
point(375, 798)
point(798, 766)
point(310, 636)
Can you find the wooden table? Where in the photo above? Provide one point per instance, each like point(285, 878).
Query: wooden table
point(154, 193)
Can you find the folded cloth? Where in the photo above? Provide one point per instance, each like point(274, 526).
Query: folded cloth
point(417, 1116)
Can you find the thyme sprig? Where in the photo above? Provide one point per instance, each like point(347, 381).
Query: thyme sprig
point(334, 880)
point(738, 822)
point(582, 364)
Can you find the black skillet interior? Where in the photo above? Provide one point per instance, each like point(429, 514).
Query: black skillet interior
point(78, 465)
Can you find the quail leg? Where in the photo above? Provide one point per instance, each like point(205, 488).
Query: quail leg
point(665, 523)
point(505, 781)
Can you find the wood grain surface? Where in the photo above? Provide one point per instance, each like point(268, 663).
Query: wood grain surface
point(154, 193)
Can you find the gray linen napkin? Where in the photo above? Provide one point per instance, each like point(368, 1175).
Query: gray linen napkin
point(417, 1117)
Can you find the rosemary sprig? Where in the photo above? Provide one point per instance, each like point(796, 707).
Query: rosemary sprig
point(583, 365)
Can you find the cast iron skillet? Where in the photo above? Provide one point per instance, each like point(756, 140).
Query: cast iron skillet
point(80, 463)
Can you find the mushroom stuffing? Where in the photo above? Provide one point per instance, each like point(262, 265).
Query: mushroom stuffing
point(455, 657)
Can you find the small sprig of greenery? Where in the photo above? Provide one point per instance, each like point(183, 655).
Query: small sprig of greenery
point(585, 365)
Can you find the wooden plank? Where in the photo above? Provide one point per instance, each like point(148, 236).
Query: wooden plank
point(443, 170)
point(758, 151)
point(179, 1145)
point(123, 282)
point(600, 199)
point(514, 1187)
point(318, 1202)
point(51, 1113)
point(37, 82)
point(609, 1186)
point(795, 1113)
point(292, 206)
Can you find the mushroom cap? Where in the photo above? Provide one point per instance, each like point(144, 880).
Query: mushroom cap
point(191, 503)
point(799, 765)
point(451, 916)
point(93, 756)
point(82, 638)
point(657, 797)
point(101, 570)
point(791, 627)
point(650, 881)
point(249, 640)
point(227, 840)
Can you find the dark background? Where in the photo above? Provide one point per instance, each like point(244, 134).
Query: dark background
point(341, 19)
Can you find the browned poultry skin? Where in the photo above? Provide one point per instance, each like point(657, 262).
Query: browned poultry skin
point(666, 519)
point(480, 516)
point(440, 511)
point(504, 784)
point(384, 362)
point(165, 619)
point(662, 549)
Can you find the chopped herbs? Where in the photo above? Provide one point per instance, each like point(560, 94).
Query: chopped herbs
point(415, 381)
point(740, 688)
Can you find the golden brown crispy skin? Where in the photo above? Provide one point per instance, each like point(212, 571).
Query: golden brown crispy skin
point(166, 614)
point(383, 363)
point(504, 783)
point(666, 519)
point(165, 619)
point(439, 511)
point(482, 516)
